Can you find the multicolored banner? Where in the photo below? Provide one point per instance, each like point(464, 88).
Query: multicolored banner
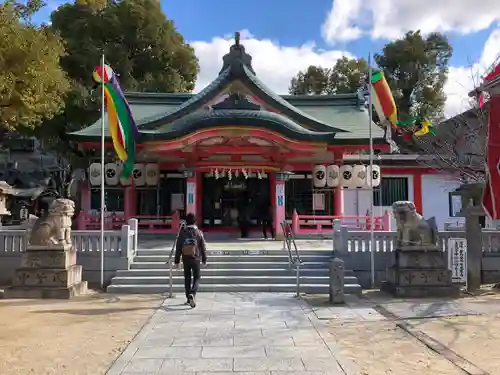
point(121, 123)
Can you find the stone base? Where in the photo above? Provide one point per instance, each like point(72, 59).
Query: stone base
point(47, 273)
point(46, 292)
point(419, 273)
point(409, 291)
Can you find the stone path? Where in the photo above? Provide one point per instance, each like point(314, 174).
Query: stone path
point(234, 333)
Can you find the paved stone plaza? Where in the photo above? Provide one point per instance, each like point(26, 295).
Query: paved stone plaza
point(233, 333)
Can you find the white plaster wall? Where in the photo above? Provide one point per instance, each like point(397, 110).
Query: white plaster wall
point(357, 201)
point(435, 201)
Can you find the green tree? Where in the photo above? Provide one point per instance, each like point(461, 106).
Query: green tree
point(32, 84)
point(139, 42)
point(346, 76)
point(416, 69)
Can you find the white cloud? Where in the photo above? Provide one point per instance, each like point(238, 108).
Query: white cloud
point(389, 19)
point(461, 80)
point(338, 25)
point(274, 64)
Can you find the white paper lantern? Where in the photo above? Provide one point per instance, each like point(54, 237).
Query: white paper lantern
point(373, 176)
point(111, 174)
point(346, 179)
point(139, 175)
point(319, 176)
point(358, 176)
point(152, 174)
point(332, 176)
point(95, 174)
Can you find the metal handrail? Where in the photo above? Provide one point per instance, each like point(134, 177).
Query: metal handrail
point(170, 263)
point(288, 242)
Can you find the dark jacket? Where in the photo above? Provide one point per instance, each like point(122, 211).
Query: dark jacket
point(202, 245)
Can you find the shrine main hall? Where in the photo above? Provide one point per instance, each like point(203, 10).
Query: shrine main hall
point(236, 139)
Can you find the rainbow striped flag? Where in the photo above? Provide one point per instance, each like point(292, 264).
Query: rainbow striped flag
point(121, 123)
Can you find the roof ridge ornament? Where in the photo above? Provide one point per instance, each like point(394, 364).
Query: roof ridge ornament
point(237, 57)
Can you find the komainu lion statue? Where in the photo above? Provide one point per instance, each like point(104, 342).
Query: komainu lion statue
point(413, 230)
point(54, 226)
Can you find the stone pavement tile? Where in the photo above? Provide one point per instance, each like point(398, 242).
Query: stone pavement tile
point(308, 339)
point(203, 341)
point(263, 341)
point(168, 352)
point(306, 373)
point(329, 365)
point(289, 332)
point(174, 366)
point(268, 364)
point(143, 365)
point(226, 324)
point(235, 373)
point(320, 351)
point(232, 332)
point(339, 313)
point(157, 341)
point(369, 314)
point(270, 324)
point(233, 352)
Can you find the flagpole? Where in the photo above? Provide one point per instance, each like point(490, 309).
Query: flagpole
point(102, 170)
point(372, 221)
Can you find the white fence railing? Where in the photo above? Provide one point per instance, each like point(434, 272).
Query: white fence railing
point(123, 242)
point(347, 240)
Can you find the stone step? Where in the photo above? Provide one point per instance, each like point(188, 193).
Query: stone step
point(230, 265)
point(238, 258)
point(277, 288)
point(229, 272)
point(218, 279)
point(269, 252)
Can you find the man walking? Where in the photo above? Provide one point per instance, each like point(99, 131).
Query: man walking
point(266, 217)
point(191, 246)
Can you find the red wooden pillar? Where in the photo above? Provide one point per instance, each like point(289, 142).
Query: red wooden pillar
point(417, 192)
point(278, 204)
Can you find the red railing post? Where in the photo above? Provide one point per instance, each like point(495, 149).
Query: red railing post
point(81, 221)
point(386, 221)
point(176, 221)
point(295, 222)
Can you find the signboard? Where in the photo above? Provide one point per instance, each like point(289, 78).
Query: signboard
point(191, 187)
point(457, 259)
point(318, 201)
point(177, 202)
point(280, 195)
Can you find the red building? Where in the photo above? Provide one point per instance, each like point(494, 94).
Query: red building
point(236, 139)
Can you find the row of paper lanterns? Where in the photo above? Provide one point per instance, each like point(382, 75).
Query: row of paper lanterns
point(143, 174)
point(356, 176)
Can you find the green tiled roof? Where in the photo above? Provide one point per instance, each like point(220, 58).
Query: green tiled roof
point(342, 117)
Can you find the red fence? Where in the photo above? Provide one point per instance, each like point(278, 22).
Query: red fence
point(318, 224)
point(113, 221)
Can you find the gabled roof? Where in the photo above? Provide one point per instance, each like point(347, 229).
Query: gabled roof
point(333, 119)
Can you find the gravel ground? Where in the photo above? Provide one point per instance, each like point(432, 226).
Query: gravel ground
point(76, 337)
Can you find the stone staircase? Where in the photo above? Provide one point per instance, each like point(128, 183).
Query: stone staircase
point(232, 271)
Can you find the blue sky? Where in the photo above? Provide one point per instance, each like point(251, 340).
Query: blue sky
point(287, 36)
point(291, 25)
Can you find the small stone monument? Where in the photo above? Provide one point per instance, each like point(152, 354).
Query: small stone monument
point(337, 281)
point(48, 267)
point(419, 268)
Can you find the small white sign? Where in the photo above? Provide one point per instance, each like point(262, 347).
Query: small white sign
point(457, 259)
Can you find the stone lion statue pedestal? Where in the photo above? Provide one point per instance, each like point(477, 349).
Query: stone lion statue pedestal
point(48, 267)
point(420, 268)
